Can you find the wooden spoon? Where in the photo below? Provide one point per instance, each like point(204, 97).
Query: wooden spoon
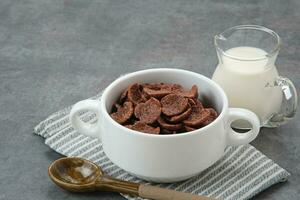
point(80, 175)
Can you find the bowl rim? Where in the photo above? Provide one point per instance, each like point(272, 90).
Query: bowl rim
point(187, 73)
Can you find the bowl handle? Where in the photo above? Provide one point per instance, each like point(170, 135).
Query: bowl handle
point(88, 129)
point(235, 138)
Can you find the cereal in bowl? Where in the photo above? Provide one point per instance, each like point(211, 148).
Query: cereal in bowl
point(161, 108)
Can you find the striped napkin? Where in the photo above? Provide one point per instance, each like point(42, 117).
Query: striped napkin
point(240, 174)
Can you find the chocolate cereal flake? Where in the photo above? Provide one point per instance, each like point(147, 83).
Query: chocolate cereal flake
point(142, 127)
point(134, 94)
point(197, 117)
point(149, 111)
point(165, 125)
point(173, 104)
point(123, 113)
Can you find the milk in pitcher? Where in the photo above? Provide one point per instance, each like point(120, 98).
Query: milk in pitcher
point(246, 82)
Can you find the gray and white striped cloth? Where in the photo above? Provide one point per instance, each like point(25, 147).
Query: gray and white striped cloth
point(240, 174)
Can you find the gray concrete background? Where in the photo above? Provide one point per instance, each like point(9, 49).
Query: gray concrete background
point(55, 53)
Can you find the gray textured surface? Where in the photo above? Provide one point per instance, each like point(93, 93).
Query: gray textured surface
point(47, 47)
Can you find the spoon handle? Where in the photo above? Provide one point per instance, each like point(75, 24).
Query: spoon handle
point(108, 183)
point(156, 193)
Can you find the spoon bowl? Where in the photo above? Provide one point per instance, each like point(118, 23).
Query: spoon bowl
point(74, 174)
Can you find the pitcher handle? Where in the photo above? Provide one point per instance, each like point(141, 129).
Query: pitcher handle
point(289, 103)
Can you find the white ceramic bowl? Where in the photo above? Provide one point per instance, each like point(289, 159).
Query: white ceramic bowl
point(165, 158)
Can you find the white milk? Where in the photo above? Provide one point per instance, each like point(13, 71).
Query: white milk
point(245, 82)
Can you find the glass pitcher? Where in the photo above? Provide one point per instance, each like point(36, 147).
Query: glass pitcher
point(247, 73)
